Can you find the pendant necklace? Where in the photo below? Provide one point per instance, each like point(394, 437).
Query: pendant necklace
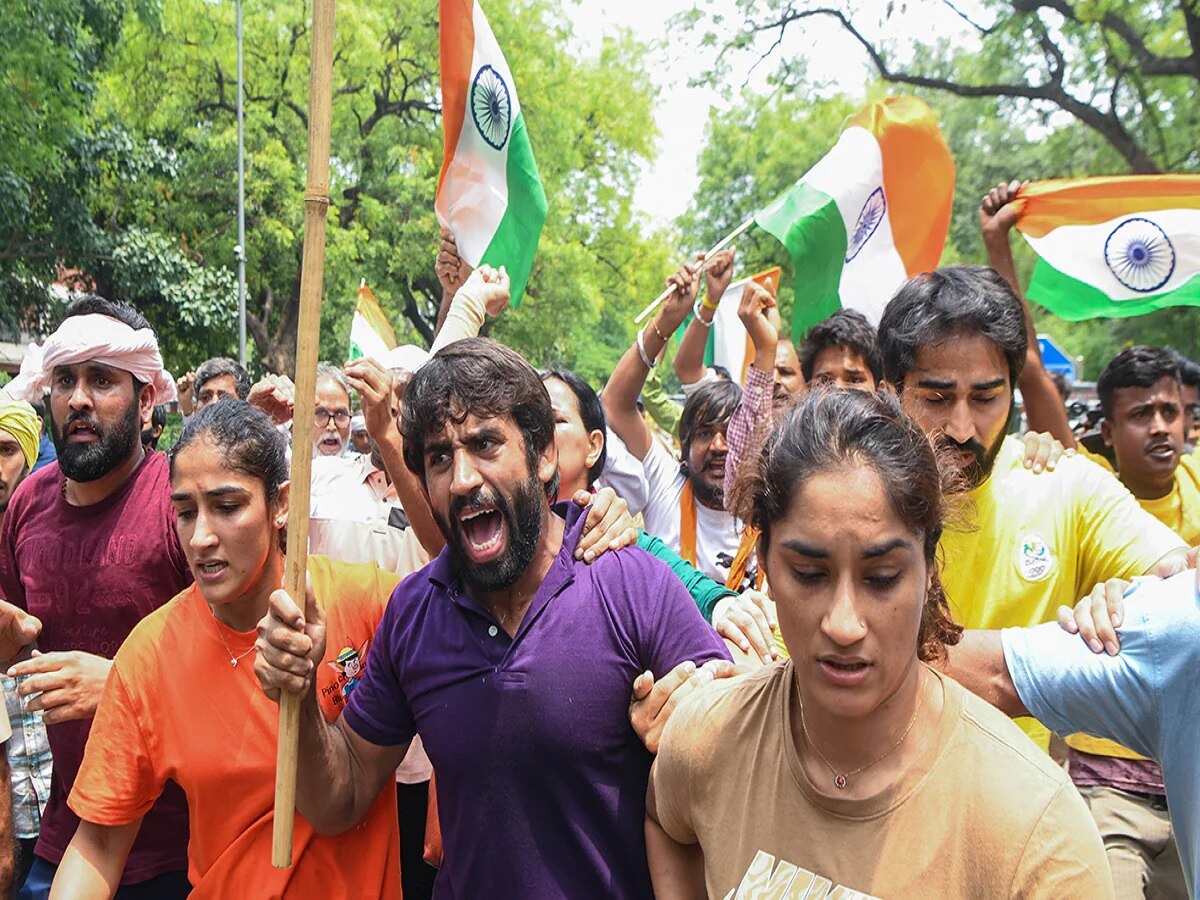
point(842, 780)
point(233, 660)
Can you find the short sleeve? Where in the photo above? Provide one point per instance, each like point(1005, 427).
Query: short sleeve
point(1064, 856)
point(677, 631)
point(378, 710)
point(624, 474)
point(1070, 689)
point(1118, 539)
point(671, 776)
point(117, 781)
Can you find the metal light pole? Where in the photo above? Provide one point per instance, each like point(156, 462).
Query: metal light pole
point(240, 250)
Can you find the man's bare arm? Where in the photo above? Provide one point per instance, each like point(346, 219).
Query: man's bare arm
point(977, 663)
point(1044, 407)
point(339, 773)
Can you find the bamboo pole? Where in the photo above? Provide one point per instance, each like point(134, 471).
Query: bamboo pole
point(308, 332)
point(716, 248)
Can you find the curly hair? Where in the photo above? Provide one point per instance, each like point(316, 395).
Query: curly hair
point(481, 377)
point(827, 429)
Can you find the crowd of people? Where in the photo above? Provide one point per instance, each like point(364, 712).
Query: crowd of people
point(836, 627)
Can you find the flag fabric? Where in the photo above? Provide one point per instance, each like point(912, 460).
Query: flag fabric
point(371, 334)
point(1113, 247)
point(489, 193)
point(871, 213)
point(729, 343)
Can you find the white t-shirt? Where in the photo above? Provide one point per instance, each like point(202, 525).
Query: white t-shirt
point(349, 523)
point(623, 473)
point(718, 534)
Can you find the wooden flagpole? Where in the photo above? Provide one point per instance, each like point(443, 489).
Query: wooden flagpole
point(308, 333)
point(716, 248)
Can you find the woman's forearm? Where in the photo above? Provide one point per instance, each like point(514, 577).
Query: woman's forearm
point(92, 866)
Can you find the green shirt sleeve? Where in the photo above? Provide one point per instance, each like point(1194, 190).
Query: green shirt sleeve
point(665, 411)
point(704, 590)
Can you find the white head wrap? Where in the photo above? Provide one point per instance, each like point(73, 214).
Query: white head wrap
point(97, 339)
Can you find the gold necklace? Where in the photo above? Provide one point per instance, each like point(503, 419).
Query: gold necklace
point(841, 780)
point(233, 660)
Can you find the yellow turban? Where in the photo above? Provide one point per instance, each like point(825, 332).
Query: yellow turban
point(18, 419)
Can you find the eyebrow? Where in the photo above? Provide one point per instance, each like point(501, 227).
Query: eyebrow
point(937, 384)
point(223, 491)
point(803, 549)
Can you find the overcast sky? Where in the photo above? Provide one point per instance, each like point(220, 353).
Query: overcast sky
point(668, 186)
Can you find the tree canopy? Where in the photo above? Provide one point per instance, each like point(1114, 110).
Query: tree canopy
point(159, 204)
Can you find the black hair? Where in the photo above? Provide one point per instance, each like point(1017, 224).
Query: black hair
point(829, 429)
point(247, 438)
point(215, 368)
point(94, 305)
point(591, 412)
point(158, 419)
point(1189, 369)
point(951, 302)
point(847, 328)
point(721, 372)
point(714, 401)
point(481, 377)
point(1135, 367)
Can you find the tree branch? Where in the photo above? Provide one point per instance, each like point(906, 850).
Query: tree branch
point(1150, 63)
point(1052, 91)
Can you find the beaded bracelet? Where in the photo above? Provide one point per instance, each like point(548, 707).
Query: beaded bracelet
point(699, 318)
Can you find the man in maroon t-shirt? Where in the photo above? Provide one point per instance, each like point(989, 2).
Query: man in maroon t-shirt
point(87, 549)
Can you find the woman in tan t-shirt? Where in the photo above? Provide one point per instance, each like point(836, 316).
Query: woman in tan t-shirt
point(854, 769)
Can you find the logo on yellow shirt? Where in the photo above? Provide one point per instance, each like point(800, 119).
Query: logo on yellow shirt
point(1034, 559)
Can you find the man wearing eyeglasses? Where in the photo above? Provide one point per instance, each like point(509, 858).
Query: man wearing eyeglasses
point(331, 417)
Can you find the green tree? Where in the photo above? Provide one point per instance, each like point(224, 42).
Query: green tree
point(590, 122)
point(1127, 70)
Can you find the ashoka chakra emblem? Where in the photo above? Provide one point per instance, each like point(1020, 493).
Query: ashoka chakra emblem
point(491, 106)
point(1140, 255)
point(868, 220)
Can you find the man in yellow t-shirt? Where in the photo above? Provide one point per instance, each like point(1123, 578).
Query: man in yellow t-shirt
point(1019, 544)
point(1144, 425)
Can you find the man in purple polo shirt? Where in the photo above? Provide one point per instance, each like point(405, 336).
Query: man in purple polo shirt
point(512, 661)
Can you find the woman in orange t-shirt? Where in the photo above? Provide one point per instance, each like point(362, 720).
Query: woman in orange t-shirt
point(182, 701)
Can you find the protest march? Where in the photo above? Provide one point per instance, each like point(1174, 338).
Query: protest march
point(817, 568)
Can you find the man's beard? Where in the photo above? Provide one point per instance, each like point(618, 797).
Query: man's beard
point(524, 520)
point(705, 494)
point(89, 462)
point(980, 469)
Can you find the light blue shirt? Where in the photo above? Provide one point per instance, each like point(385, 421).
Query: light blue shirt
point(1147, 697)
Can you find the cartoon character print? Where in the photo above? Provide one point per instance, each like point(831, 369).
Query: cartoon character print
point(349, 665)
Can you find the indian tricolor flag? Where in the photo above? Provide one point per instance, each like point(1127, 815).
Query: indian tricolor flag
point(489, 193)
point(1107, 247)
point(371, 333)
point(872, 213)
point(729, 344)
